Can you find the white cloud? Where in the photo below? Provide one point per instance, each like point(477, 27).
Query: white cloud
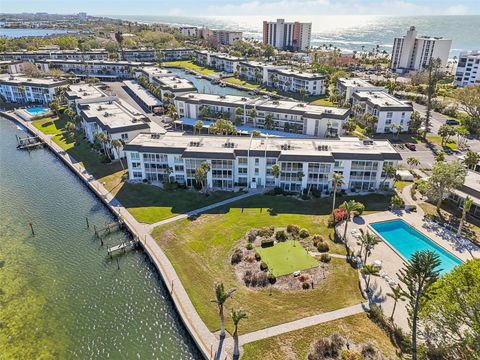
point(175, 12)
point(456, 10)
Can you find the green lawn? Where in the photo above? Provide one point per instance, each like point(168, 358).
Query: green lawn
point(286, 257)
point(191, 66)
point(200, 252)
point(149, 204)
point(437, 140)
point(235, 81)
point(322, 102)
point(50, 125)
point(400, 185)
point(296, 344)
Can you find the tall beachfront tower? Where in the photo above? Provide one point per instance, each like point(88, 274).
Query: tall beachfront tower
point(287, 35)
point(412, 52)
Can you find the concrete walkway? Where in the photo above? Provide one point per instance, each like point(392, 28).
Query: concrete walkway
point(302, 323)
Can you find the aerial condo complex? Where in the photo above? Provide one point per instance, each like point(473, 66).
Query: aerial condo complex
point(240, 180)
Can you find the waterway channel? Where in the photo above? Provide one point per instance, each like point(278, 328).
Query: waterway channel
point(61, 297)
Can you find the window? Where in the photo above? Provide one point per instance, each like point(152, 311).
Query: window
point(124, 136)
point(242, 161)
point(389, 114)
point(257, 161)
point(134, 156)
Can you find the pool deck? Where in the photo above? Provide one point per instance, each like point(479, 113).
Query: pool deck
point(392, 262)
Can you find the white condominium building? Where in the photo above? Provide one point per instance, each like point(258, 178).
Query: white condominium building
point(141, 55)
point(386, 108)
point(284, 115)
point(224, 37)
point(283, 35)
point(412, 52)
point(285, 79)
point(468, 69)
point(78, 93)
point(238, 161)
point(33, 56)
point(191, 31)
point(116, 119)
point(348, 86)
point(219, 61)
point(19, 88)
point(168, 82)
point(176, 54)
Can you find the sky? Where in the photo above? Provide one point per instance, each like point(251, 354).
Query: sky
point(284, 8)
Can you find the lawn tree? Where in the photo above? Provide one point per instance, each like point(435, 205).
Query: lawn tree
point(223, 127)
point(412, 162)
point(349, 126)
point(269, 52)
point(237, 316)
point(415, 123)
point(117, 145)
point(102, 139)
point(391, 86)
point(198, 126)
point(169, 172)
point(397, 295)
point(221, 296)
point(367, 243)
point(253, 115)
point(269, 121)
point(434, 74)
point(418, 275)
point(469, 98)
point(445, 177)
point(337, 181)
point(201, 174)
point(368, 271)
point(467, 205)
point(276, 172)
point(120, 38)
point(472, 158)
point(451, 318)
point(390, 172)
point(446, 132)
point(350, 208)
point(440, 156)
point(70, 128)
point(462, 133)
point(395, 129)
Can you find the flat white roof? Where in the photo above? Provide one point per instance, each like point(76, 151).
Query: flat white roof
point(144, 95)
point(112, 114)
point(19, 79)
point(381, 99)
point(356, 82)
point(84, 91)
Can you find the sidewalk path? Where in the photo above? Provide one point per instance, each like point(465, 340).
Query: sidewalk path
point(302, 323)
point(407, 197)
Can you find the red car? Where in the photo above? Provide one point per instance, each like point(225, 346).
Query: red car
point(410, 146)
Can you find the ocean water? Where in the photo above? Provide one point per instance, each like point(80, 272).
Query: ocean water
point(16, 33)
point(346, 32)
point(61, 296)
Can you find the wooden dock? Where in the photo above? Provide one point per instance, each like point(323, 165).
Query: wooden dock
point(28, 142)
point(109, 228)
point(122, 248)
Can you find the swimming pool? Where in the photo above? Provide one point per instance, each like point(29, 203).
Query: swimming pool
point(406, 240)
point(34, 111)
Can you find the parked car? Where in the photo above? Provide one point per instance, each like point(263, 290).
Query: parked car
point(452, 122)
point(448, 151)
point(411, 146)
point(436, 150)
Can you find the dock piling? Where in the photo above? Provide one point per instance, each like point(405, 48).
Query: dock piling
point(118, 264)
point(88, 225)
point(31, 228)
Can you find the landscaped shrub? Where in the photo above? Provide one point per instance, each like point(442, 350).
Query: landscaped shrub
point(316, 193)
point(252, 235)
point(249, 258)
point(316, 239)
point(326, 348)
point(293, 229)
point(303, 277)
point(263, 266)
point(360, 210)
point(271, 278)
point(249, 246)
point(351, 355)
point(304, 233)
point(331, 221)
point(325, 258)
point(339, 214)
point(266, 231)
point(247, 277)
point(258, 257)
point(267, 242)
point(323, 247)
point(260, 279)
point(237, 256)
point(305, 286)
point(369, 352)
point(280, 236)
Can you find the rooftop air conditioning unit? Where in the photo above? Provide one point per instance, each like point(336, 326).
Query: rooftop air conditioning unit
point(367, 142)
point(106, 114)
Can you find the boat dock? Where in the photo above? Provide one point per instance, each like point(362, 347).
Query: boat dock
point(28, 142)
point(122, 248)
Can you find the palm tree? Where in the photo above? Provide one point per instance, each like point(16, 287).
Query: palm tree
point(337, 180)
point(269, 121)
point(418, 275)
point(237, 316)
point(221, 296)
point(253, 114)
point(117, 145)
point(102, 138)
point(368, 271)
point(467, 204)
point(367, 242)
point(471, 159)
point(70, 128)
point(119, 38)
point(412, 162)
point(349, 206)
point(396, 295)
point(276, 171)
point(172, 112)
point(198, 126)
point(390, 172)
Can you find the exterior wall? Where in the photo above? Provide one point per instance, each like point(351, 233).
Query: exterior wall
point(255, 172)
point(99, 70)
point(468, 69)
point(32, 94)
point(287, 35)
point(138, 55)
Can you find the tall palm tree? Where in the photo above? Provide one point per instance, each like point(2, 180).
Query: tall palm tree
point(276, 172)
point(237, 316)
point(396, 295)
point(350, 207)
point(269, 121)
point(390, 172)
point(198, 126)
point(117, 144)
point(119, 38)
point(467, 204)
point(102, 138)
point(337, 180)
point(418, 275)
point(412, 162)
point(253, 114)
point(369, 271)
point(221, 296)
point(367, 242)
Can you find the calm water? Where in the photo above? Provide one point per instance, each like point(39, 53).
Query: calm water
point(206, 87)
point(60, 296)
point(407, 240)
point(15, 33)
point(347, 32)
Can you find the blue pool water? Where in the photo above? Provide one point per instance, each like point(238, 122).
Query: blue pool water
point(37, 110)
point(406, 240)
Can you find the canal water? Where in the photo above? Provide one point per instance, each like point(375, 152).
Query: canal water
point(61, 297)
point(204, 86)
